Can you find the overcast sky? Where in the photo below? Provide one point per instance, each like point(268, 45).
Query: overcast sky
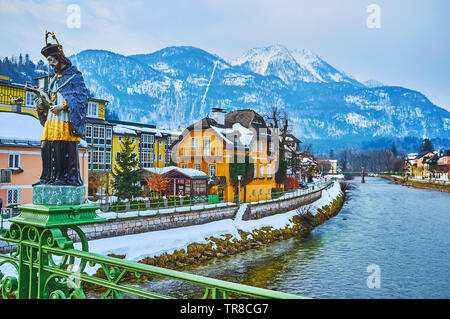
point(411, 47)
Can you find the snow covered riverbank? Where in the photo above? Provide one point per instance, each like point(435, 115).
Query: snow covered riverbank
point(139, 246)
point(151, 244)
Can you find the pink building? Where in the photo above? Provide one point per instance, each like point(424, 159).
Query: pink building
point(20, 157)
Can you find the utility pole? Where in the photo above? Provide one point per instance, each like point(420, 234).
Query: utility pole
point(239, 190)
point(362, 174)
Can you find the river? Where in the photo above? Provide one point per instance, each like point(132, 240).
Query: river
point(402, 231)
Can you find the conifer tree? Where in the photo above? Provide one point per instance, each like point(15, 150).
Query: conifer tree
point(243, 167)
point(126, 174)
point(426, 146)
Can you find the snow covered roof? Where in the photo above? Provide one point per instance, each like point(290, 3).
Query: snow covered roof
point(192, 173)
point(132, 130)
point(22, 129)
point(119, 129)
point(245, 135)
point(20, 126)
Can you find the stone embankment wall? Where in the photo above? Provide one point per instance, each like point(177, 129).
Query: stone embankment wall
point(263, 209)
point(442, 186)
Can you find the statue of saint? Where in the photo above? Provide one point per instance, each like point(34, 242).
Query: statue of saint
point(62, 111)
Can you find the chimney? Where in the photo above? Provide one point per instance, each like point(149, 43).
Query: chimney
point(219, 115)
point(16, 105)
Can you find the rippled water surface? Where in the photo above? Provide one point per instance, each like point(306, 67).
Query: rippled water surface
point(405, 231)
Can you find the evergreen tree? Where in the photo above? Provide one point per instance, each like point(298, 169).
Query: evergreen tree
point(125, 172)
point(394, 150)
point(243, 167)
point(281, 173)
point(426, 146)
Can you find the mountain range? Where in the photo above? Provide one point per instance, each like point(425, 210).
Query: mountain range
point(176, 86)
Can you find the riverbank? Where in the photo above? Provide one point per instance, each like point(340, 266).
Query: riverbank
point(178, 248)
point(442, 186)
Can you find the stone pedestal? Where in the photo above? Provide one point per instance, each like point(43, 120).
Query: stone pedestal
point(59, 195)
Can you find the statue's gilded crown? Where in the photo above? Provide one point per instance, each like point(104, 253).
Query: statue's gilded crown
point(51, 48)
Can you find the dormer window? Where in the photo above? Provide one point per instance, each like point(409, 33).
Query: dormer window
point(92, 109)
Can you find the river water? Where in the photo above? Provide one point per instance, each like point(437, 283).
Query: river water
point(404, 233)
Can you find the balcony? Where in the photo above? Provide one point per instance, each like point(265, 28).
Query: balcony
point(196, 154)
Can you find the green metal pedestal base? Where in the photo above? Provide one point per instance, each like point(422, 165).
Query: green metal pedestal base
point(56, 216)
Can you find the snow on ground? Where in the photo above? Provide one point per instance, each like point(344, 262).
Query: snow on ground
point(139, 246)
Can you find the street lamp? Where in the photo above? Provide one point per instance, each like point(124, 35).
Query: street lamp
point(239, 189)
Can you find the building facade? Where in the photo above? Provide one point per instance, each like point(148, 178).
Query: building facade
point(211, 145)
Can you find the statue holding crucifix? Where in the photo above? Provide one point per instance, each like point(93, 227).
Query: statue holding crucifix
point(62, 112)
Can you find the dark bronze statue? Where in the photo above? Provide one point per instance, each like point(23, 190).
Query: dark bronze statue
point(62, 112)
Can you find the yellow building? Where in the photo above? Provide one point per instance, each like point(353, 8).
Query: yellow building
point(153, 144)
point(119, 135)
point(14, 98)
point(211, 145)
point(420, 166)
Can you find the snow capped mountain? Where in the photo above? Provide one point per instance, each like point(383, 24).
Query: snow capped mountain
point(372, 83)
point(291, 66)
point(176, 86)
point(274, 60)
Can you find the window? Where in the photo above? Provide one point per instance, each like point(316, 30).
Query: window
point(260, 192)
point(13, 196)
point(88, 131)
point(261, 171)
point(197, 167)
point(108, 157)
point(5, 176)
point(29, 99)
point(269, 171)
point(98, 157)
point(92, 109)
point(147, 141)
point(254, 171)
point(212, 170)
point(160, 157)
point(184, 166)
point(194, 143)
point(101, 131)
point(14, 160)
point(146, 159)
point(108, 133)
point(96, 132)
point(206, 146)
point(154, 157)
